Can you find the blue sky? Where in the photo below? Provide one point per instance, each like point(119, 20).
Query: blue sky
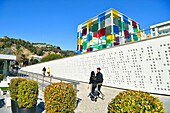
point(55, 21)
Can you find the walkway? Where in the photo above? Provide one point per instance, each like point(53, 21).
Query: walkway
point(88, 106)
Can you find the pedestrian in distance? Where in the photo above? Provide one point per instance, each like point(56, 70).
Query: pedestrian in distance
point(44, 70)
point(92, 83)
point(48, 71)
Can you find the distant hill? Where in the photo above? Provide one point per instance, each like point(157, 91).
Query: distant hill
point(22, 48)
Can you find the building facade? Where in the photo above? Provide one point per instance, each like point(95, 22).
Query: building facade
point(160, 29)
point(5, 63)
point(108, 29)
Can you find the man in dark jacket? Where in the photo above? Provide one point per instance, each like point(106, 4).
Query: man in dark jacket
point(99, 79)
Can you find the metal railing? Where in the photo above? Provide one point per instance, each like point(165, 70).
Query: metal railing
point(44, 81)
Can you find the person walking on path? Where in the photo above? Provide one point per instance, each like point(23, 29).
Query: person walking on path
point(48, 71)
point(99, 81)
point(92, 81)
point(44, 70)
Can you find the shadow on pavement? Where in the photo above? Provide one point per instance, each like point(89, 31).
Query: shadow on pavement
point(77, 102)
point(40, 107)
point(2, 103)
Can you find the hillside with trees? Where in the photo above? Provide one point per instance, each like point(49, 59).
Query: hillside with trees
point(25, 51)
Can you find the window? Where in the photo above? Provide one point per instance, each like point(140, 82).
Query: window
point(115, 21)
point(102, 24)
point(153, 29)
point(84, 27)
point(126, 26)
point(108, 16)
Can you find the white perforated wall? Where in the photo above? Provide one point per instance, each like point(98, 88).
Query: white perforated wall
point(142, 66)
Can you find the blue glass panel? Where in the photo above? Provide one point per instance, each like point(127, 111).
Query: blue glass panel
point(125, 19)
point(115, 29)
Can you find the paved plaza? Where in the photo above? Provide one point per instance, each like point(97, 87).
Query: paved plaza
point(85, 105)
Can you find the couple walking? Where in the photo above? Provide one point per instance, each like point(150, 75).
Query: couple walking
point(44, 71)
point(96, 83)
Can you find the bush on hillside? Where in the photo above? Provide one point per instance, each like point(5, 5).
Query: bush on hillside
point(51, 57)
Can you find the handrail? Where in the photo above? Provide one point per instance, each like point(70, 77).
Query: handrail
point(44, 81)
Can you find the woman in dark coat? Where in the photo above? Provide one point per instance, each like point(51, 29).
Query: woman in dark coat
point(92, 81)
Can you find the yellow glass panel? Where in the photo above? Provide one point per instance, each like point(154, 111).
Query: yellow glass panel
point(79, 41)
point(92, 38)
point(114, 13)
point(110, 37)
point(88, 45)
point(131, 40)
point(89, 23)
point(139, 34)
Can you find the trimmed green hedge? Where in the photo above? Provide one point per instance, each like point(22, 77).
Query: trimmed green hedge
point(27, 94)
point(13, 87)
point(60, 98)
point(135, 102)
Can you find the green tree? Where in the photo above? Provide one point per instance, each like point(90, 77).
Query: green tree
point(33, 61)
point(39, 52)
point(51, 57)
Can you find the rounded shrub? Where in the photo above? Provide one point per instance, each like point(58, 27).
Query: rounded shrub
point(135, 102)
point(27, 94)
point(60, 98)
point(1, 76)
point(13, 87)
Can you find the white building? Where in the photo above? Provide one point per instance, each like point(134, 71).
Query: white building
point(160, 29)
point(5, 62)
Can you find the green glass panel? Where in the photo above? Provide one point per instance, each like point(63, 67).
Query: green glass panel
point(135, 29)
point(119, 22)
point(108, 41)
point(139, 26)
point(135, 37)
point(96, 46)
point(95, 28)
point(104, 46)
point(101, 47)
point(122, 26)
point(84, 45)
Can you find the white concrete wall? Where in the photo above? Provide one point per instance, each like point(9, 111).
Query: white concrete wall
point(144, 65)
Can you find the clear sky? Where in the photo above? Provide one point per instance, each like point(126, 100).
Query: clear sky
point(55, 21)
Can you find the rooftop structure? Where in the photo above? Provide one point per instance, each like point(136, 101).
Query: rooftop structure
point(160, 29)
point(105, 30)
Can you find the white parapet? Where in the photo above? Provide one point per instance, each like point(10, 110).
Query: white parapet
point(144, 65)
point(7, 57)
